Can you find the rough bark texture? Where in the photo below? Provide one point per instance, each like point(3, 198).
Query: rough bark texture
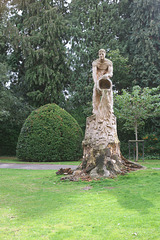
point(101, 147)
point(101, 152)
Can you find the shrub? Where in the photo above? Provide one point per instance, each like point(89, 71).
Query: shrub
point(8, 138)
point(50, 134)
point(152, 144)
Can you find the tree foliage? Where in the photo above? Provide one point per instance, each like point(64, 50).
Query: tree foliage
point(40, 51)
point(4, 78)
point(145, 42)
point(135, 107)
point(13, 109)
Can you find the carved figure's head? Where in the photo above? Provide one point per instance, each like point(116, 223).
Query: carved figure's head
point(102, 54)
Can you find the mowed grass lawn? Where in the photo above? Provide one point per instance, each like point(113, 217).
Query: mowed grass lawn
point(37, 205)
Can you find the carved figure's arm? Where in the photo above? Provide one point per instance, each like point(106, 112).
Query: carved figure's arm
point(109, 73)
point(110, 70)
point(94, 73)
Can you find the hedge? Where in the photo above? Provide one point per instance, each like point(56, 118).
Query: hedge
point(50, 134)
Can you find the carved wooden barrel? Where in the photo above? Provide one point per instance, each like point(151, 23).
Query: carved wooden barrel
point(104, 84)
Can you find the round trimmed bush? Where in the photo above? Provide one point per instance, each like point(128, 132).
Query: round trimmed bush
point(50, 134)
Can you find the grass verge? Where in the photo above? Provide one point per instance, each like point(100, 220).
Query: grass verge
point(37, 205)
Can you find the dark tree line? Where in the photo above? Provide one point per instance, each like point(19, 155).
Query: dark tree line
point(47, 47)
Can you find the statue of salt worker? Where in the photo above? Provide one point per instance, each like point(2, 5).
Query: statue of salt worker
point(101, 146)
point(102, 71)
point(101, 127)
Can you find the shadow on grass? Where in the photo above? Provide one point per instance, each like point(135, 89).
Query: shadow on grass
point(139, 190)
point(133, 200)
point(134, 191)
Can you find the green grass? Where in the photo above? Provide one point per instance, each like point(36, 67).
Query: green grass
point(150, 163)
point(37, 205)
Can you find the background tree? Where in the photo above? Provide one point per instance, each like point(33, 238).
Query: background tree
point(145, 42)
point(4, 78)
point(41, 37)
point(135, 107)
point(13, 109)
point(17, 110)
point(121, 71)
point(94, 25)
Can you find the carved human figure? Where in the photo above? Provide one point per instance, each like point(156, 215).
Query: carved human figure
point(102, 68)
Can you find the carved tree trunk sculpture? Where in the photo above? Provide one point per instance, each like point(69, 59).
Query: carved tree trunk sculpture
point(101, 147)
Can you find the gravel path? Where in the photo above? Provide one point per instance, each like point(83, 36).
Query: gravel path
point(39, 166)
point(35, 166)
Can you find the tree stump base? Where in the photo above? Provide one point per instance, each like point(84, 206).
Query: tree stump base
point(101, 164)
point(101, 153)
